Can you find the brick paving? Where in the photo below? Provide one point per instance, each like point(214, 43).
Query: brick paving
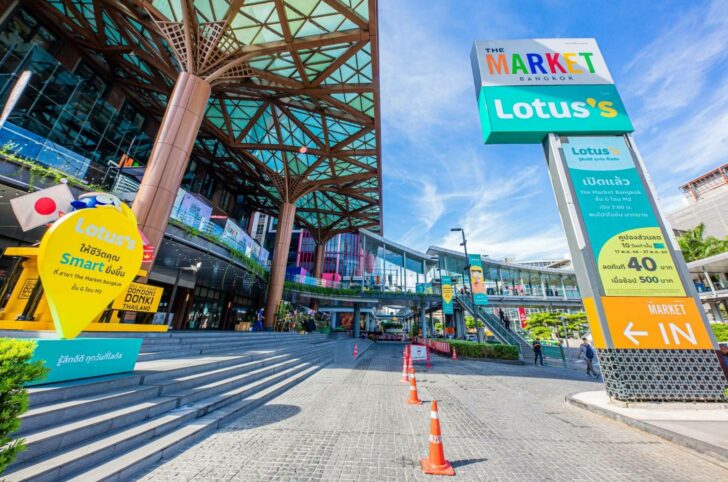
point(349, 422)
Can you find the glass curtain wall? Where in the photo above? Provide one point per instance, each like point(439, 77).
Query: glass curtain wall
point(62, 120)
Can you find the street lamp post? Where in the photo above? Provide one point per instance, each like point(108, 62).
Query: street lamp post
point(194, 268)
point(464, 244)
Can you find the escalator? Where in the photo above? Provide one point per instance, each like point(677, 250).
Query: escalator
point(494, 325)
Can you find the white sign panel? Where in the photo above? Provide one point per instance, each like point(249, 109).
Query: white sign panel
point(538, 62)
point(233, 231)
point(418, 352)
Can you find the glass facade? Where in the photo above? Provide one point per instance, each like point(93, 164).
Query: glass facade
point(63, 119)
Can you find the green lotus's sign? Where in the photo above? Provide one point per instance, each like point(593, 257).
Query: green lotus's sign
point(525, 115)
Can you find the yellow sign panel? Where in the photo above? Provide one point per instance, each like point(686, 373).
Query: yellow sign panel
point(447, 292)
point(85, 260)
point(139, 297)
point(656, 323)
point(593, 318)
point(637, 263)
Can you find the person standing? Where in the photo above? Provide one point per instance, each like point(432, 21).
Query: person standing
point(587, 352)
point(538, 354)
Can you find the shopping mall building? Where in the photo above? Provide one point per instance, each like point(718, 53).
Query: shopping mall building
point(246, 140)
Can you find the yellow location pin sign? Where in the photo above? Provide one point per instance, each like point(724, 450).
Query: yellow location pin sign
point(86, 259)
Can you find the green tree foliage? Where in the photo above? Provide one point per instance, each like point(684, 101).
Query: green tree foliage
point(471, 324)
point(695, 245)
point(15, 371)
point(545, 324)
point(720, 330)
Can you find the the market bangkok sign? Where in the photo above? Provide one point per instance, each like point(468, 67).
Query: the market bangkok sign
point(538, 62)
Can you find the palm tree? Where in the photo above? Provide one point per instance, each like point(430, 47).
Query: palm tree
point(695, 246)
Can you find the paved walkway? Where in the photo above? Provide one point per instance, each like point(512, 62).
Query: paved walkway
point(350, 422)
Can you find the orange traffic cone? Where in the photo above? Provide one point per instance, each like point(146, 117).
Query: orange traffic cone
point(356, 350)
point(414, 399)
point(454, 354)
point(405, 356)
point(436, 464)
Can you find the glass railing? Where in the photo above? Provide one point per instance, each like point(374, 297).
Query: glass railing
point(237, 241)
point(311, 281)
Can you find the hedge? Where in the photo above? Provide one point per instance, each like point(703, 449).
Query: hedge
point(15, 372)
point(474, 349)
point(720, 330)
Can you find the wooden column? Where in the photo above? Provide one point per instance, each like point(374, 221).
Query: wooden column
point(170, 156)
point(286, 217)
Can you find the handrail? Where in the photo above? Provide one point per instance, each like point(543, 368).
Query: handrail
point(503, 334)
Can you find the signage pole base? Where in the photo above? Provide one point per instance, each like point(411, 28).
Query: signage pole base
point(662, 375)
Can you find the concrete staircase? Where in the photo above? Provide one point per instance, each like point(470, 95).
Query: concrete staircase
point(186, 385)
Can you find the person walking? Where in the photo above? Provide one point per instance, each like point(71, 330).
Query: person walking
point(506, 323)
point(538, 354)
point(587, 352)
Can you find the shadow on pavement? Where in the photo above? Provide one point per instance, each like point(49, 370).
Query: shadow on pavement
point(464, 462)
point(442, 364)
point(265, 415)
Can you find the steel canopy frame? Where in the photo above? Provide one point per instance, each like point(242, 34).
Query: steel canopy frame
point(294, 111)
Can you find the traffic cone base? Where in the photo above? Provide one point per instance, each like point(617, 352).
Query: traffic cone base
point(436, 464)
point(445, 469)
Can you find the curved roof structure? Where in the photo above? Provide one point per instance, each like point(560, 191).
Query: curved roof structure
point(294, 111)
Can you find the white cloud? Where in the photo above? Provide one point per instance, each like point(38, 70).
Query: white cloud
point(672, 71)
point(500, 222)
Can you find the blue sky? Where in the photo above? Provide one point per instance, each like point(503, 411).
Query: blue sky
point(669, 60)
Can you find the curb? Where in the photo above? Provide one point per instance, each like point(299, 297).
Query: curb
point(683, 440)
point(489, 360)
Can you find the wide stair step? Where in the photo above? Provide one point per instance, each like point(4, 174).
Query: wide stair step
point(74, 430)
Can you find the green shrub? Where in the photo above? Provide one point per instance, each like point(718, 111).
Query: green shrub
point(389, 324)
point(720, 330)
point(484, 350)
point(15, 371)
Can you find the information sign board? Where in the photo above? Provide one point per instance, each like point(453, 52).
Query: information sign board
point(621, 223)
point(139, 297)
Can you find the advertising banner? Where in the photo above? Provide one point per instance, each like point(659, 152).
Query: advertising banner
point(477, 280)
point(191, 211)
point(139, 297)
point(620, 221)
point(522, 316)
point(447, 294)
point(85, 357)
point(85, 260)
point(263, 256)
point(232, 231)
